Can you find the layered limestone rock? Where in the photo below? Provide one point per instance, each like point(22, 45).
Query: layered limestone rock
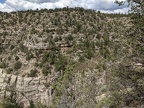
point(36, 89)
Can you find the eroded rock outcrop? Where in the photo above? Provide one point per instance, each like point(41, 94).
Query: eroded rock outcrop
point(26, 89)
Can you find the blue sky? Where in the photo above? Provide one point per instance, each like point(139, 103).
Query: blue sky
point(102, 5)
point(2, 1)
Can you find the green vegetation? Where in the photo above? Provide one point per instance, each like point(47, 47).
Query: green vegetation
point(33, 73)
point(9, 70)
point(29, 56)
point(17, 65)
point(46, 70)
point(93, 60)
point(10, 101)
point(16, 58)
point(3, 65)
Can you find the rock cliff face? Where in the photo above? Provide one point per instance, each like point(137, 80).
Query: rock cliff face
point(39, 89)
point(27, 89)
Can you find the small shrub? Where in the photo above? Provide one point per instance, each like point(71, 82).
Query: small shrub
point(29, 55)
point(89, 53)
point(9, 58)
point(16, 58)
point(9, 70)
point(46, 71)
point(33, 73)
point(12, 47)
point(17, 65)
point(81, 58)
point(32, 105)
point(3, 65)
point(69, 38)
point(61, 62)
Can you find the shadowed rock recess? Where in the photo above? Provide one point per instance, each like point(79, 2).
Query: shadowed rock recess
point(70, 58)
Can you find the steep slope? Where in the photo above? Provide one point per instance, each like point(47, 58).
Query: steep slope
point(63, 58)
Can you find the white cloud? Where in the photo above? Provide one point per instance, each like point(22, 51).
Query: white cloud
point(103, 5)
point(123, 10)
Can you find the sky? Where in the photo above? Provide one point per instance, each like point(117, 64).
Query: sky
point(102, 5)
